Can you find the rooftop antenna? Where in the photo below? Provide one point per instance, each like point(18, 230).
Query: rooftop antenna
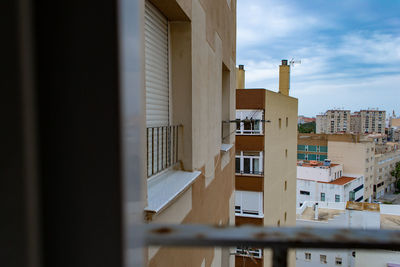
point(292, 62)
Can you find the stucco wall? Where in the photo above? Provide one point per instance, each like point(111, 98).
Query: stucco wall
point(319, 173)
point(354, 157)
point(279, 166)
point(203, 47)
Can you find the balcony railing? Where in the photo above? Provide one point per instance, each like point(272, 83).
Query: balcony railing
point(260, 173)
point(280, 240)
point(162, 148)
point(249, 132)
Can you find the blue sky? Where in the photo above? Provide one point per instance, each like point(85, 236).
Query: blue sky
point(349, 51)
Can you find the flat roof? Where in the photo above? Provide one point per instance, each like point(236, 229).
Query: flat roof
point(315, 164)
point(323, 214)
point(340, 181)
point(362, 206)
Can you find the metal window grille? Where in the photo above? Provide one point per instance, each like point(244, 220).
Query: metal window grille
point(162, 148)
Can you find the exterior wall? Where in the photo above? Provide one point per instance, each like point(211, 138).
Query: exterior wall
point(250, 99)
point(320, 124)
point(384, 164)
point(333, 121)
point(249, 143)
point(202, 53)
point(355, 123)
point(330, 190)
point(248, 183)
point(348, 219)
point(357, 158)
point(319, 173)
point(279, 144)
point(373, 121)
point(331, 256)
point(394, 122)
point(280, 160)
point(318, 140)
point(376, 258)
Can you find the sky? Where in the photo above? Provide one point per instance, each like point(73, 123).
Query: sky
point(349, 51)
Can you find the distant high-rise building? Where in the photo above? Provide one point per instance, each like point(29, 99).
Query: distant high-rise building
point(334, 121)
point(373, 121)
point(342, 121)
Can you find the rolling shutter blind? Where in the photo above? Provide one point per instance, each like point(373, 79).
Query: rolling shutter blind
point(251, 203)
point(156, 67)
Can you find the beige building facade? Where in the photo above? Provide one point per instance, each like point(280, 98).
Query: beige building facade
point(355, 152)
point(385, 162)
point(190, 80)
point(373, 121)
point(266, 140)
point(333, 121)
point(357, 156)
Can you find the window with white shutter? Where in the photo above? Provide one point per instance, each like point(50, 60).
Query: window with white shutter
point(249, 204)
point(156, 67)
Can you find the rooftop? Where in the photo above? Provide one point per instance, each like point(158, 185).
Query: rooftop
point(362, 206)
point(315, 164)
point(340, 181)
point(323, 214)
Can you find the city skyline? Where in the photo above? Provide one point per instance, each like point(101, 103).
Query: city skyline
point(349, 51)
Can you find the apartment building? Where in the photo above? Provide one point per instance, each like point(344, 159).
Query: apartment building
point(333, 121)
point(385, 162)
point(355, 123)
point(355, 152)
point(265, 161)
point(189, 53)
point(373, 121)
point(344, 215)
point(342, 121)
point(326, 182)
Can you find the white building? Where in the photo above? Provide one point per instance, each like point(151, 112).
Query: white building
point(317, 181)
point(335, 215)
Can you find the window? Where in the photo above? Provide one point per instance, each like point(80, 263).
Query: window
point(285, 185)
point(249, 163)
point(285, 216)
point(322, 196)
point(249, 252)
point(307, 256)
point(338, 261)
point(278, 223)
point(322, 259)
point(301, 147)
point(285, 152)
point(287, 121)
point(280, 123)
point(307, 193)
point(249, 121)
point(337, 198)
point(352, 195)
point(249, 204)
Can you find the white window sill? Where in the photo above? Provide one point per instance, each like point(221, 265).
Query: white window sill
point(162, 189)
point(249, 216)
point(226, 147)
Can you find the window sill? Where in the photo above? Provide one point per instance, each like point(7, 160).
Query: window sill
point(250, 174)
point(162, 189)
point(226, 147)
point(249, 216)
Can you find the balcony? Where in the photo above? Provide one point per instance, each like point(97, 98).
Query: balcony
point(162, 148)
point(249, 173)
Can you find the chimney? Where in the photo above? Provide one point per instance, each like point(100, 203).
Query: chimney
point(284, 77)
point(316, 212)
point(240, 77)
